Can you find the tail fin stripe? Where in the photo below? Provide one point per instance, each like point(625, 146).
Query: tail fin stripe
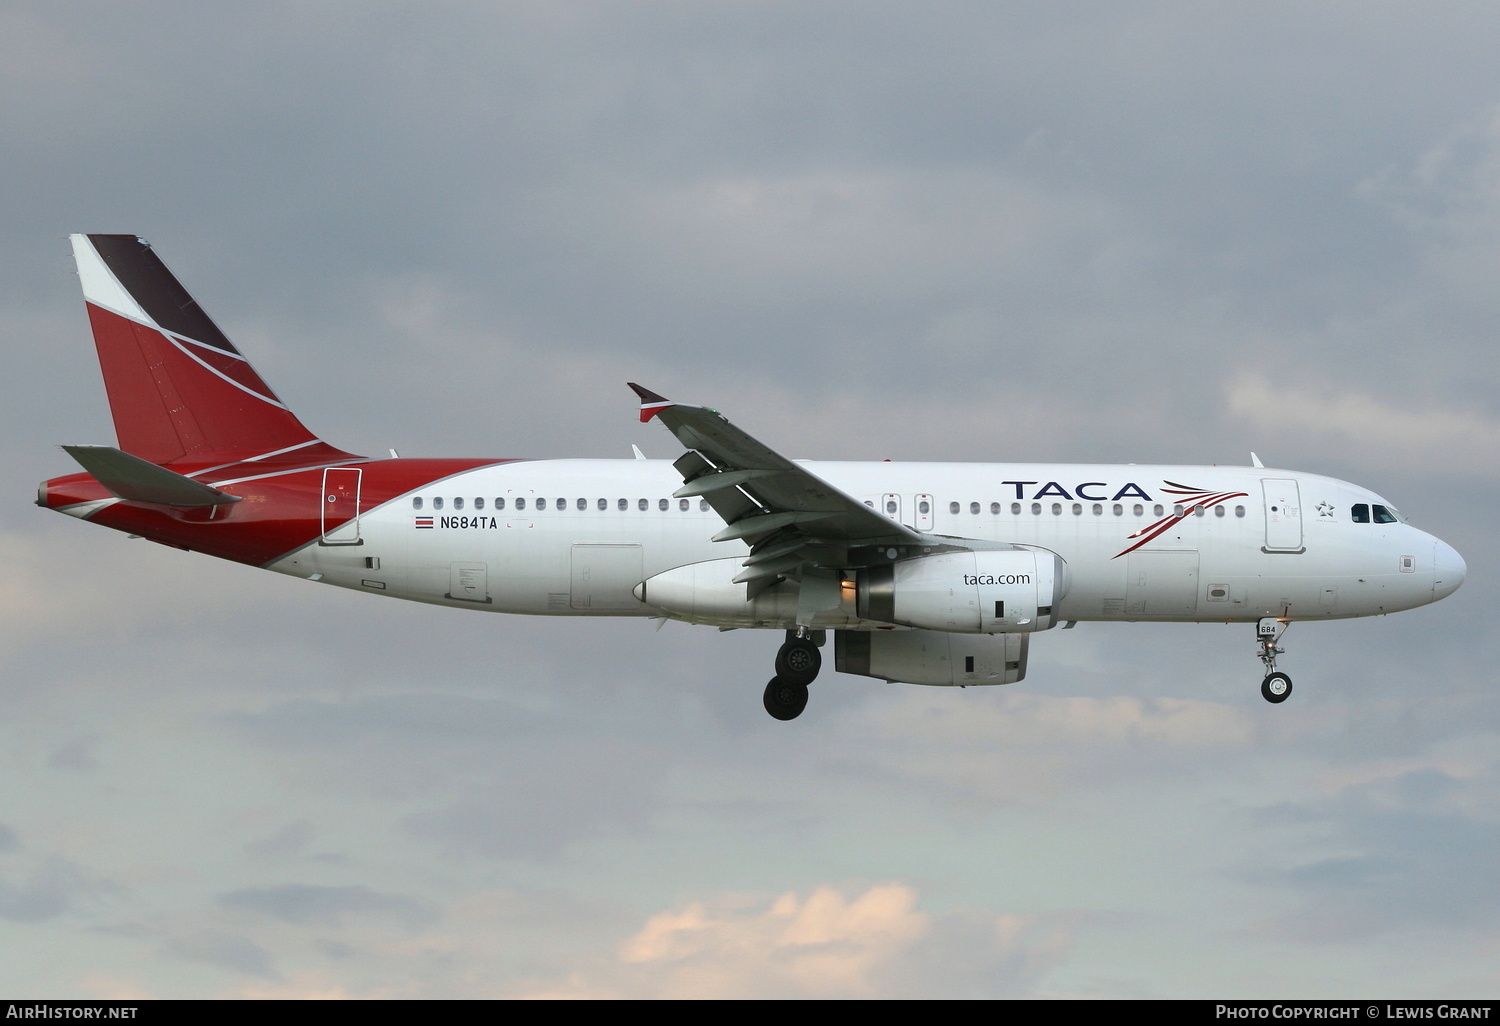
point(202, 345)
point(253, 459)
point(218, 373)
point(153, 288)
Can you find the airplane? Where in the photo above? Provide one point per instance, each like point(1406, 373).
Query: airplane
point(926, 573)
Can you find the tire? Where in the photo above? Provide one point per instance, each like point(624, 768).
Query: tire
point(784, 699)
point(1276, 688)
point(798, 662)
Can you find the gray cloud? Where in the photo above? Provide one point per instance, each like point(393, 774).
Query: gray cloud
point(53, 888)
point(74, 755)
point(225, 951)
point(1416, 842)
point(291, 840)
point(308, 904)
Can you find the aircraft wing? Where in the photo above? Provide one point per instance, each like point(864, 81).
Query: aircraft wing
point(788, 515)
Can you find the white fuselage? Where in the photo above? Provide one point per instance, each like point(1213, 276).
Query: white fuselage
point(579, 537)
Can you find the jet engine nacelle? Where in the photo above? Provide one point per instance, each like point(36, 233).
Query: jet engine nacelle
point(1004, 591)
point(932, 657)
point(706, 593)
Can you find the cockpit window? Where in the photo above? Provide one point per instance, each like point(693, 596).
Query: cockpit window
point(1361, 513)
point(1384, 516)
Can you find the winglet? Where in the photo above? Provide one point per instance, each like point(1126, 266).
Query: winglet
point(651, 403)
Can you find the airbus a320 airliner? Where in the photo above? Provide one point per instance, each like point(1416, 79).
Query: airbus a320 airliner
point(926, 573)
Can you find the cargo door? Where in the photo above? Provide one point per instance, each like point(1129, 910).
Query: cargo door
point(604, 577)
point(1162, 583)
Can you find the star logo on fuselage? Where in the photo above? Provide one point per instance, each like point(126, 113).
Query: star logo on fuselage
point(1325, 509)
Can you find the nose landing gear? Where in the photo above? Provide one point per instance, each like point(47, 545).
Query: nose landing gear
point(1277, 686)
point(797, 665)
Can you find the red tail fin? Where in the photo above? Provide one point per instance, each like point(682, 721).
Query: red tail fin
point(177, 386)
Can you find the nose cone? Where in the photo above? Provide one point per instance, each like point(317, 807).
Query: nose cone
point(1449, 570)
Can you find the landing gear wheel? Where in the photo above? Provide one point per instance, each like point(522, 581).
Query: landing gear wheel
point(798, 662)
point(1276, 688)
point(784, 699)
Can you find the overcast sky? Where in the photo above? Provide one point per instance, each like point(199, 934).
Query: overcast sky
point(1148, 232)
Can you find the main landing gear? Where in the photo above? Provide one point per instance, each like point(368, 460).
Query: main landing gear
point(1277, 687)
point(797, 665)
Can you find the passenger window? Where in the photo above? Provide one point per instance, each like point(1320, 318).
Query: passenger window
point(890, 507)
point(1360, 514)
point(520, 504)
point(458, 502)
point(416, 502)
point(1099, 510)
point(603, 504)
point(562, 505)
point(1036, 509)
point(437, 502)
point(682, 505)
point(702, 505)
point(641, 505)
point(1138, 510)
point(994, 509)
point(1239, 511)
point(952, 507)
point(1078, 509)
point(1156, 510)
point(541, 503)
point(924, 507)
point(1015, 508)
point(1119, 510)
point(500, 503)
point(1177, 510)
point(478, 503)
point(661, 504)
point(974, 507)
point(1218, 511)
point(1057, 509)
point(581, 505)
point(1384, 516)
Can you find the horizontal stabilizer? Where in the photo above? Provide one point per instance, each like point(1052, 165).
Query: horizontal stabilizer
point(138, 480)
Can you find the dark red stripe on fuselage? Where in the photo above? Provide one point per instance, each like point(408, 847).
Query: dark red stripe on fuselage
point(277, 515)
